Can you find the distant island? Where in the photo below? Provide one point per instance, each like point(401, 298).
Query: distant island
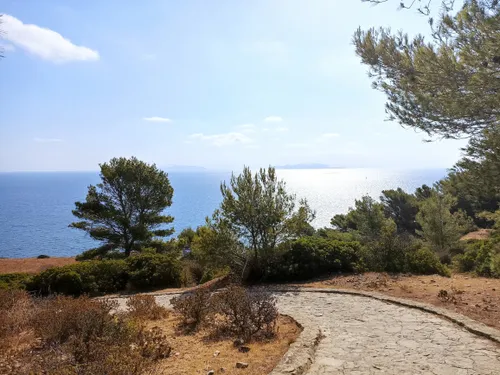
point(306, 166)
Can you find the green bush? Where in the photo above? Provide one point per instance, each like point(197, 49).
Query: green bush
point(480, 257)
point(214, 273)
point(94, 277)
point(154, 271)
point(426, 262)
point(15, 280)
point(308, 257)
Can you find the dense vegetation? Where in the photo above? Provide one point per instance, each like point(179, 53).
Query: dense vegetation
point(446, 87)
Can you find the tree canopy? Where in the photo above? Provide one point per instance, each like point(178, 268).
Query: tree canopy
point(125, 210)
point(261, 213)
point(448, 87)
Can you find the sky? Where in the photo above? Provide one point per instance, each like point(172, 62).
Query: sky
point(218, 84)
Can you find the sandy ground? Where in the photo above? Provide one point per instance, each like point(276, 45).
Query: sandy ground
point(31, 265)
point(475, 297)
point(195, 354)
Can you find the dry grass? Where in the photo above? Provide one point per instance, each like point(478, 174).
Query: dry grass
point(475, 297)
point(32, 265)
point(66, 336)
point(481, 234)
point(195, 354)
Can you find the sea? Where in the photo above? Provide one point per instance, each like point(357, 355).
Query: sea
point(35, 207)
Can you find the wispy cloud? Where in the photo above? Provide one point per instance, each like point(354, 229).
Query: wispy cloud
point(5, 47)
point(44, 43)
point(224, 139)
point(246, 128)
point(273, 119)
point(157, 119)
point(48, 140)
point(281, 129)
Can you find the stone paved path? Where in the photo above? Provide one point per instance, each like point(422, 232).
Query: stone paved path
point(364, 336)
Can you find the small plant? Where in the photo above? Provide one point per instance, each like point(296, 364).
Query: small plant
point(244, 314)
point(193, 307)
point(16, 310)
point(145, 307)
point(451, 296)
point(153, 344)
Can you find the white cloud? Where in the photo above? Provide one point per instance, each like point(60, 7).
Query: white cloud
point(4, 47)
point(157, 119)
point(246, 128)
point(48, 140)
point(224, 139)
point(273, 119)
point(44, 43)
point(281, 129)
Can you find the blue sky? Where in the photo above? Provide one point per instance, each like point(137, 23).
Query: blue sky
point(215, 83)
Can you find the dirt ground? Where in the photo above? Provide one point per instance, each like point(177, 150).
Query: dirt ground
point(475, 297)
point(31, 265)
point(195, 354)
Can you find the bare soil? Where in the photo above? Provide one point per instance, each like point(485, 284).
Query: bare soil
point(196, 354)
point(32, 265)
point(475, 297)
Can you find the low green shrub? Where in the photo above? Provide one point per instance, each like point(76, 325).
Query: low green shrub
point(481, 257)
point(214, 273)
point(426, 262)
point(154, 271)
point(90, 277)
point(15, 280)
point(308, 257)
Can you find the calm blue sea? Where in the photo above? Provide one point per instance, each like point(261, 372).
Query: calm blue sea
point(35, 208)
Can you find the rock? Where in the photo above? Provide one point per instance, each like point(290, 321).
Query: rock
point(244, 349)
point(241, 365)
point(222, 369)
point(211, 372)
point(177, 354)
point(216, 353)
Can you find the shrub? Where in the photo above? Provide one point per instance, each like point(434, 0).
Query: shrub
point(243, 314)
point(81, 336)
point(192, 272)
point(193, 307)
point(16, 310)
point(42, 256)
point(154, 271)
point(145, 307)
point(312, 256)
point(426, 262)
point(480, 257)
point(89, 277)
point(214, 273)
point(15, 280)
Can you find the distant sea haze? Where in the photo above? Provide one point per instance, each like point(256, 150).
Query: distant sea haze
point(35, 208)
